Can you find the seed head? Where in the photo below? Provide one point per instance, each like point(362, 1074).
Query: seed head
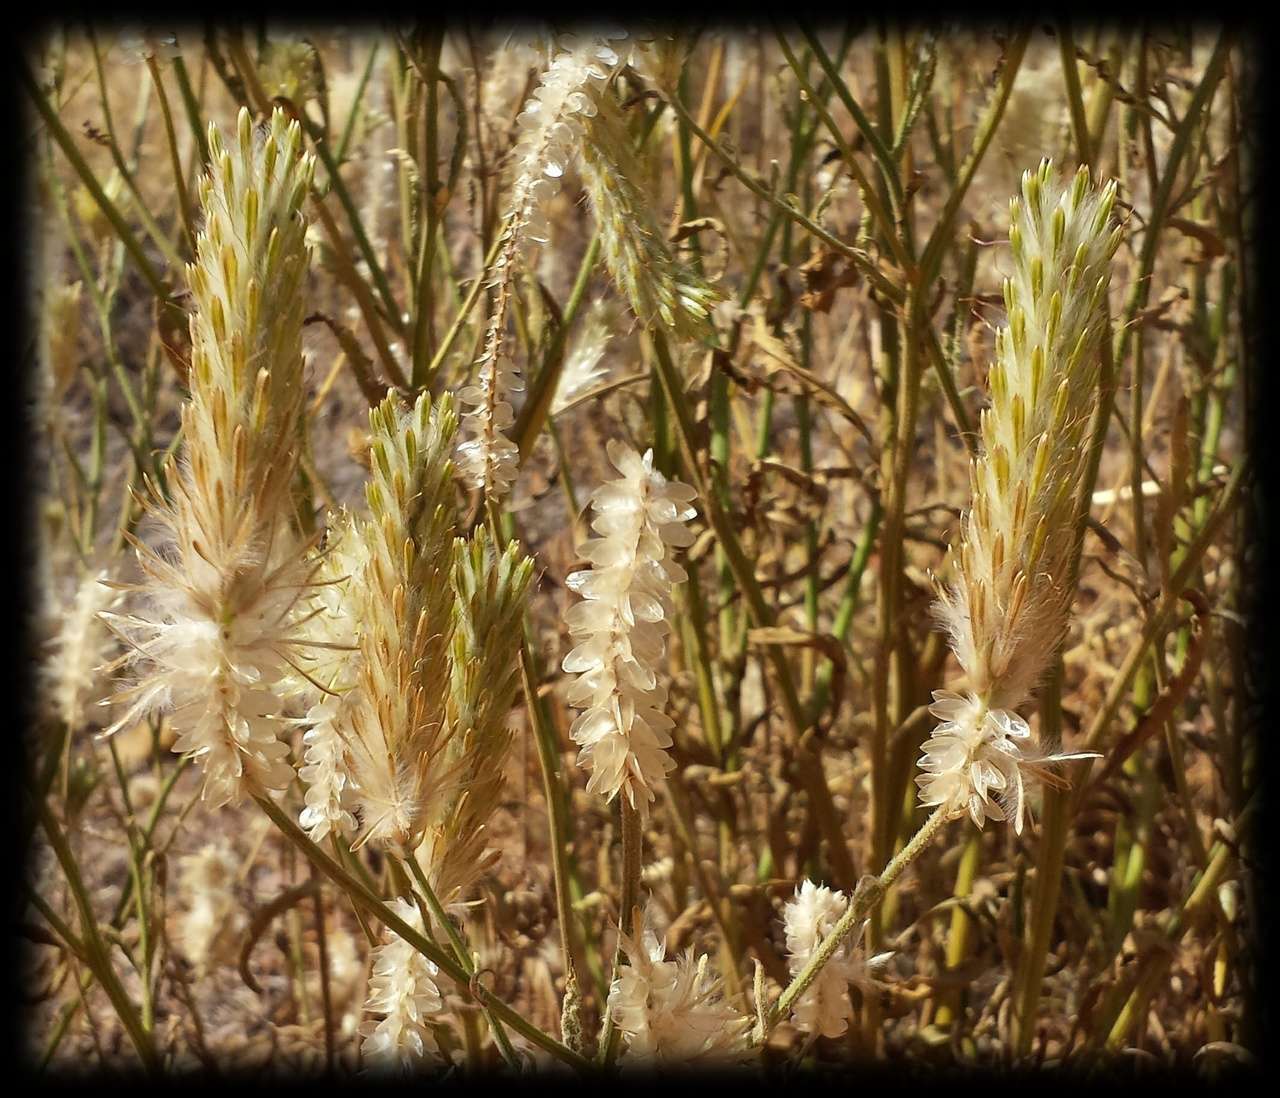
point(620, 627)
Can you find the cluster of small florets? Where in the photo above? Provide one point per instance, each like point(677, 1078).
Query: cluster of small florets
point(825, 1007)
point(620, 627)
point(333, 681)
point(403, 989)
point(1007, 610)
point(673, 1011)
point(573, 115)
point(551, 123)
point(490, 590)
point(977, 759)
point(217, 634)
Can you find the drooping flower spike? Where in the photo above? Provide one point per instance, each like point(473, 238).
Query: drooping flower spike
point(550, 125)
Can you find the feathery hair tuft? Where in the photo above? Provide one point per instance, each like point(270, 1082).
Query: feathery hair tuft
point(484, 662)
point(223, 601)
point(398, 718)
point(1007, 611)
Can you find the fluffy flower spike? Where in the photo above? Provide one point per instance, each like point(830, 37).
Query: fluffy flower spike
point(212, 922)
point(403, 989)
point(620, 627)
point(79, 648)
point(484, 671)
point(672, 1011)
point(218, 637)
point(825, 1008)
point(583, 365)
point(1007, 611)
point(662, 290)
point(398, 720)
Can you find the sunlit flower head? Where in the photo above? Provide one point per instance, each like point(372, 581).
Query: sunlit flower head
point(978, 760)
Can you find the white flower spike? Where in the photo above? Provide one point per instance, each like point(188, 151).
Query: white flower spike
point(621, 625)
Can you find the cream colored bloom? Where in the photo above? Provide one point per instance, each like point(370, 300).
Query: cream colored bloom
point(490, 590)
point(1007, 610)
point(79, 648)
point(825, 1008)
point(978, 760)
point(218, 635)
point(673, 1012)
point(583, 368)
point(662, 291)
point(212, 922)
point(326, 773)
point(403, 989)
point(620, 627)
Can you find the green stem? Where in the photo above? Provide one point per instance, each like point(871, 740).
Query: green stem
point(340, 154)
point(423, 321)
point(69, 150)
point(632, 841)
point(473, 295)
point(98, 956)
point(375, 906)
point(807, 760)
point(869, 892)
point(463, 954)
point(864, 262)
point(179, 180)
point(883, 156)
point(1071, 74)
point(940, 238)
point(961, 922)
point(561, 833)
point(542, 391)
